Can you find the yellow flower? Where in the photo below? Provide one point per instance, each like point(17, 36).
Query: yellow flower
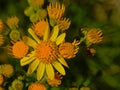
point(1, 25)
point(1, 40)
point(19, 49)
point(45, 54)
point(36, 3)
point(17, 85)
point(56, 81)
point(7, 70)
point(39, 27)
point(94, 36)
point(85, 88)
point(37, 86)
point(1, 79)
point(68, 50)
point(63, 24)
point(12, 22)
point(55, 10)
point(91, 51)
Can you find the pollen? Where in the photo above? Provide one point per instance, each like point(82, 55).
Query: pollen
point(39, 28)
point(56, 11)
point(1, 40)
point(37, 86)
point(1, 25)
point(56, 81)
point(19, 49)
point(68, 50)
point(94, 36)
point(63, 24)
point(46, 51)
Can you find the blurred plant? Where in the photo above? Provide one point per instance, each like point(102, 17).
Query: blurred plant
point(49, 51)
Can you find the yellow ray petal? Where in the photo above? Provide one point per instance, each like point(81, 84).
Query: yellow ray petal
point(46, 34)
point(40, 71)
point(29, 41)
point(31, 32)
point(50, 71)
point(26, 60)
point(54, 33)
point(59, 67)
point(60, 38)
point(62, 61)
point(33, 66)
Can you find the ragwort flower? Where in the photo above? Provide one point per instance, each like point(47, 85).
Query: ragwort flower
point(39, 27)
point(63, 24)
point(45, 54)
point(94, 36)
point(1, 79)
point(1, 39)
point(68, 50)
point(12, 22)
point(7, 70)
point(55, 10)
point(56, 81)
point(19, 49)
point(37, 86)
point(1, 25)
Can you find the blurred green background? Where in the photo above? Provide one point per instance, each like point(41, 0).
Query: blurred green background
point(101, 72)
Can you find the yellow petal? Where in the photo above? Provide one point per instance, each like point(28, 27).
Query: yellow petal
point(59, 67)
point(62, 61)
point(29, 41)
point(54, 33)
point(60, 38)
point(40, 71)
point(46, 34)
point(33, 66)
point(26, 60)
point(50, 71)
point(31, 32)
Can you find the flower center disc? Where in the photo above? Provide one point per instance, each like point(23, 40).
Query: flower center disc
point(46, 51)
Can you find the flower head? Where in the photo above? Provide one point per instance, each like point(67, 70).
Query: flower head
point(63, 24)
point(94, 36)
point(15, 35)
point(17, 85)
point(37, 86)
point(1, 25)
point(1, 39)
point(36, 3)
point(45, 54)
point(1, 79)
point(68, 50)
point(55, 10)
point(16, 51)
point(7, 70)
point(12, 22)
point(85, 88)
point(56, 81)
point(39, 27)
